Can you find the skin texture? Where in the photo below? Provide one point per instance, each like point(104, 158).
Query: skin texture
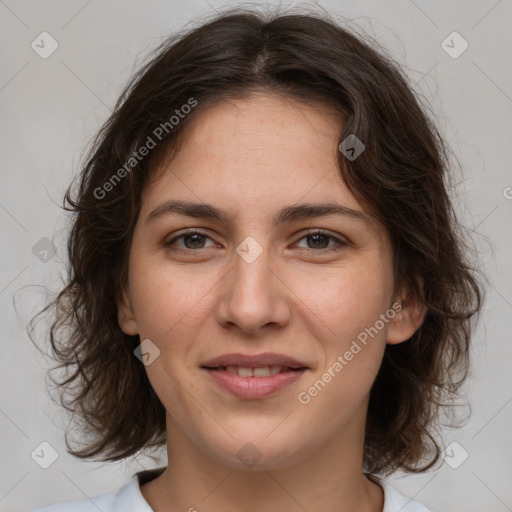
point(305, 297)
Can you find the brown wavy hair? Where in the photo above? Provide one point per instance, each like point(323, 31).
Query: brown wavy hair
point(402, 179)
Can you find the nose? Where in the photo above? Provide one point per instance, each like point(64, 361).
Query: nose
point(254, 296)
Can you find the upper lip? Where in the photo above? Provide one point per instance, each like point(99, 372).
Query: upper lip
point(253, 361)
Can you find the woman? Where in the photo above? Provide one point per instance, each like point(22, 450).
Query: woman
point(266, 275)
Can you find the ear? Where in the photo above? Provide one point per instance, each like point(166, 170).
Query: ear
point(125, 315)
point(408, 320)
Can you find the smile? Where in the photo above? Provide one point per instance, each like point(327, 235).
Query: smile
point(263, 371)
point(254, 383)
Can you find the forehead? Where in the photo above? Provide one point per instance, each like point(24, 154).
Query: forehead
point(265, 119)
point(265, 140)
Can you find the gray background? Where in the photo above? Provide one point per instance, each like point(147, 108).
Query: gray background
point(50, 108)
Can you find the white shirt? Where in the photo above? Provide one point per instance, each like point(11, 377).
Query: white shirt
point(129, 499)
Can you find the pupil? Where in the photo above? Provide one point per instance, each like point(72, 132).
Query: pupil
point(315, 237)
point(194, 243)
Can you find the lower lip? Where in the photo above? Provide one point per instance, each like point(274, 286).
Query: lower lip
point(254, 387)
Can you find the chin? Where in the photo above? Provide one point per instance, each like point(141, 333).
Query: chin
point(252, 450)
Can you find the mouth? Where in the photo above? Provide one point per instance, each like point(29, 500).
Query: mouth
point(261, 371)
point(254, 376)
point(261, 361)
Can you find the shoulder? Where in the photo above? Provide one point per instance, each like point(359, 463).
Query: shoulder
point(396, 502)
point(103, 502)
point(127, 499)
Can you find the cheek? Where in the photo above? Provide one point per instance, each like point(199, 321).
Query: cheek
point(353, 346)
point(167, 298)
point(343, 301)
point(170, 309)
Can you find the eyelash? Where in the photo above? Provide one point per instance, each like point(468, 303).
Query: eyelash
point(191, 232)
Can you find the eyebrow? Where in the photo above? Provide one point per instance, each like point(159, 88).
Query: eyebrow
point(287, 214)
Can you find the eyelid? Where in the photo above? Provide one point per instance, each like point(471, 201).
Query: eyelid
point(326, 232)
point(187, 231)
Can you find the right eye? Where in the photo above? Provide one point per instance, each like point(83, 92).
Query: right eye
point(192, 240)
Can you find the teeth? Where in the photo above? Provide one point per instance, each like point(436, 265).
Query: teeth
point(264, 371)
point(245, 372)
point(275, 369)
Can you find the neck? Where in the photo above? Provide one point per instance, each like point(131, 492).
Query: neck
point(328, 479)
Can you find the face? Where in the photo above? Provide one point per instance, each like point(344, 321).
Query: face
point(259, 271)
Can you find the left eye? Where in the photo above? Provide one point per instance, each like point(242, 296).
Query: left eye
point(319, 240)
